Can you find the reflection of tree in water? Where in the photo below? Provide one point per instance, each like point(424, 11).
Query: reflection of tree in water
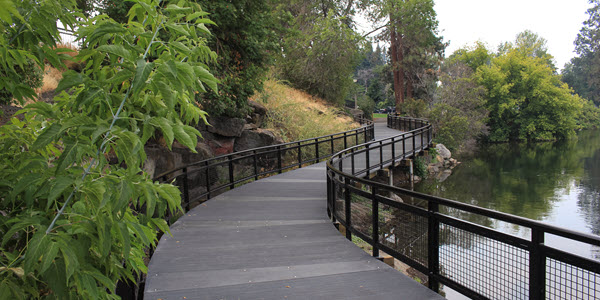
point(518, 179)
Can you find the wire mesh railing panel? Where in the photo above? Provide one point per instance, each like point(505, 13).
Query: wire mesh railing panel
point(404, 232)
point(361, 216)
point(566, 281)
point(489, 267)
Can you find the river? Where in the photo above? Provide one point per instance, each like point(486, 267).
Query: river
point(557, 183)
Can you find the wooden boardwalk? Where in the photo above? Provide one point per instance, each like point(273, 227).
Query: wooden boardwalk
point(271, 239)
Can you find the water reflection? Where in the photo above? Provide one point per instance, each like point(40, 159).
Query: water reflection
point(558, 183)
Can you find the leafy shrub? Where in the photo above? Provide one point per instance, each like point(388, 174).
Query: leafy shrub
point(29, 75)
point(72, 223)
point(415, 108)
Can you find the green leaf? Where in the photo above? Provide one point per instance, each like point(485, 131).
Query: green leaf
point(70, 79)
point(105, 28)
point(36, 247)
point(183, 49)
point(172, 8)
point(184, 138)
point(206, 77)
point(167, 94)
point(117, 50)
point(46, 137)
point(167, 130)
point(95, 191)
point(172, 194)
point(8, 7)
point(126, 240)
point(67, 157)
point(142, 73)
point(76, 121)
point(49, 256)
point(197, 14)
point(69, 257)
point(58, 187)
point(124, 192)
point(178, 29)
point(42, 108)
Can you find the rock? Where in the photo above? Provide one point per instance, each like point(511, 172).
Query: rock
point(221, 145)
point(444, 175)
point(396, 198)
point(443, 151)
point(256, 138)
point(257, 108)
point(225, 126)
point(160, 159)
point(440, 159)
point(433, 169)
point(250, 126)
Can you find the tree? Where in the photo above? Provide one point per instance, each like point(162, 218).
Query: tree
point(242, 37)
point(319, 48)
point(459, 115)
point(530, 44)
point(25, 50)
point(416, 50)
point(526, 100)
point(583, 72)
point(72, 222)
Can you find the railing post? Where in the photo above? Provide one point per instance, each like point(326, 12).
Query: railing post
point(333, 194)
point(375, 221)
point(381, 155)
point(368, 163)
point(433, 245)
point(231, 178)
point(352, 161)
point(186, 195)
point(317, 150)
point(299, 155)
point(403, 145)
point(537, 266)
point(414, 143)
point(332, 146)
point(356, 136)
point(347, 206)
point(279, 162)
point(393, 151)
point(255, 165)
point(345, 140)
point(207, 180)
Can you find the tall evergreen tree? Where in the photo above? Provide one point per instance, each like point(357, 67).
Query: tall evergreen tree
point(583, 72)
point(416, 49)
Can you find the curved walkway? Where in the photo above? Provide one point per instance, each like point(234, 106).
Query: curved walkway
point(271, 239)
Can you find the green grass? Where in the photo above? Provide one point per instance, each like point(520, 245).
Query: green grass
point(377, 116)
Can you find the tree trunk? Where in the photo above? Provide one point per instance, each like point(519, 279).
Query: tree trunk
point(398, 71)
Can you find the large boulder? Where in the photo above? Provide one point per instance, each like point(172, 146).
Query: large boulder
point(221, 145)
point(256, 138)
point(225, 126)
point(443, 151)
point(160, 159)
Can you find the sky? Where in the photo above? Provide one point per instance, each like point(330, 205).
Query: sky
point(463, 22)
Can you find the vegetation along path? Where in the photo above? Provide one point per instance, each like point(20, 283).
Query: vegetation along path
point(271, 239)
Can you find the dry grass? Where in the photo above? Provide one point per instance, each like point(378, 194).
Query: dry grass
point(296, 115)
point(52, 77)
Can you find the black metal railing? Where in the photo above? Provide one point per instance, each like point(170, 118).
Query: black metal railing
point(205, 179)
point(442, 239)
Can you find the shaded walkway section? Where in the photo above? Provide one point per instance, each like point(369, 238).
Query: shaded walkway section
point(271, 239)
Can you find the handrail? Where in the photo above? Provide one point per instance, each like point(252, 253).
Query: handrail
point(506, 266)
point(212, 176)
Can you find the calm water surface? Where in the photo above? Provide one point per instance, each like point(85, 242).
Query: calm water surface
point(557, 183)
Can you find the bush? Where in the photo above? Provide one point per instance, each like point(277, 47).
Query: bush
point(30, 75)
